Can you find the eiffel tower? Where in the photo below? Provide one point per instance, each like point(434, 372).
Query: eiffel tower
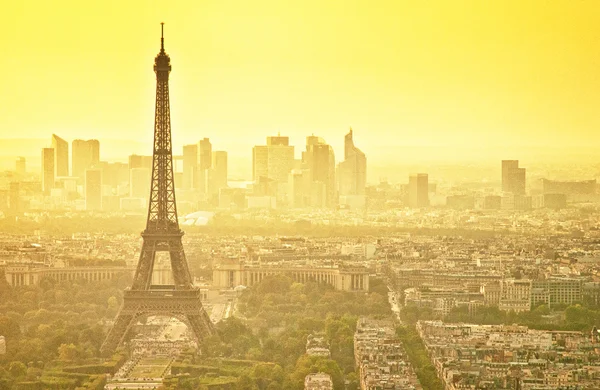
point(162, 234)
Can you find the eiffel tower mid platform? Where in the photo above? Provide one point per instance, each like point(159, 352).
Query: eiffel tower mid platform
point(162, 234)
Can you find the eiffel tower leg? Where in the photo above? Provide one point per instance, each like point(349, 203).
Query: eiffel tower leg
point(201, 325)
point(179, 266)
point(143, 274)
point(117, 333)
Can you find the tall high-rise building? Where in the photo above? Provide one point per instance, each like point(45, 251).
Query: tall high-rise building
point(320, 161)
point(506, 166)
point(513, 177)
point(139, 183)
point(137, 161)
point(260, 162)
point(353, 170)
point(47, 170)
point(20, 165)
point(299, 194)
point(93, 189)
point(190, 166)
point(114, 174)
point(418, 190)
point(278, 140)
point(14, 197)
point(85, 155)
point(61, 156)
point(204, 154)
point(218, 175)
point(204, 164)
point(314, 140)
point(273, 163)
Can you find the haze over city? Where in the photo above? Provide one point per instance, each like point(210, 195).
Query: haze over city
point(438, 82)
point(271, 195)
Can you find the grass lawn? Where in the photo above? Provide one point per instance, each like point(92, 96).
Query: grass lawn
point(149, 368)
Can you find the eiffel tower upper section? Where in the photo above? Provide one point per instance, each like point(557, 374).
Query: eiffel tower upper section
point(162, 233)
point(162, 208)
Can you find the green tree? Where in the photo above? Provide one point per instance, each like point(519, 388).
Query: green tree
point(245, 383)
point(17, 369)
point(67, 352)
point(264, 374)
point(9, 328)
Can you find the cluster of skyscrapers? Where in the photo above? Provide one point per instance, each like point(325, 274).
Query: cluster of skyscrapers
point(312, 181)
point(201, 176)
point(109, 186)
point(74, 177)
point(55, 168)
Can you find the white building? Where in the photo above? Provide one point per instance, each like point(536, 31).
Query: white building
point(318, 381)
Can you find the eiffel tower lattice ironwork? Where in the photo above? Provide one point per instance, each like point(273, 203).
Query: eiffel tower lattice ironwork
point(162, 234)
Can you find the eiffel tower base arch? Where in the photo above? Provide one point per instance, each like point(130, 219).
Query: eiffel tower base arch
point(181, 304)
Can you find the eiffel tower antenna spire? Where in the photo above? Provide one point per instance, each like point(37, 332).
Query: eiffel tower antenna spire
point(162, 234)
point(162, 37)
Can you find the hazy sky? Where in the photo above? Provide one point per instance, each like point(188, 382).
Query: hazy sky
point(505, 72)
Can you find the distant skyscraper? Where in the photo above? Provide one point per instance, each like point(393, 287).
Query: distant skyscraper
point(85, 155)
point(218, 171)
point(353, 170)
point(320, 160)
point(299, 188)
point(47, 170)
point(93, 189)
point(418, 190)
point(204, 154)
point(204, 164)
point(190, 166)
point(506, 166)
point(273, 162)
point(278, 141)
point(139, 183)
point(260, 162)
point(61, 156)
point(137, 161)
point(114, 174)
point(14, 197)
point(513, 177)
point(314, 140)
point(20, 165)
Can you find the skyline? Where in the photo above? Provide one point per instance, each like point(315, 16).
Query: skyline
point(248, 73)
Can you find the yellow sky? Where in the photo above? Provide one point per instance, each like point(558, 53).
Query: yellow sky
point(399, 72)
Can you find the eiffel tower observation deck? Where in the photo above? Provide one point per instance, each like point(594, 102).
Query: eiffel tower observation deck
point(162, 234)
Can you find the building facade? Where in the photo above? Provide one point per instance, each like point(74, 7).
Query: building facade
point(61, 156)
point(93, 189)
point(20, 165)
point(418, 190)
point(515, 295)
point(218, 172)
point(47, 170)
point(273, 162)
point(139, 183)
point(513, 177)
point(29, 275)
point(318, 381)
point(85, 155)
point(353, 170)
point(233, 273)
point(190, 166)
point(320, 161)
